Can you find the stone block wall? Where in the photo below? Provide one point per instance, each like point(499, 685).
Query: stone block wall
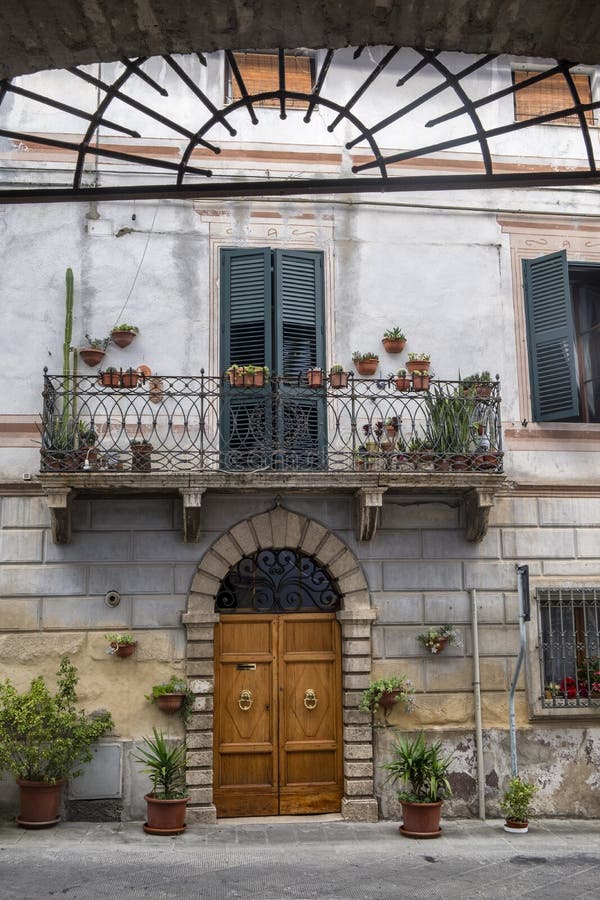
point(419, 568)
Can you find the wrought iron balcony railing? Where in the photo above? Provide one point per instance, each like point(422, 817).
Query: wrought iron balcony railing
point(126, 422)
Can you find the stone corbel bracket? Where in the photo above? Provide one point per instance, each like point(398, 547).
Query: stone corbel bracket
point(192, 503)
point(59, 504)
point(368, 502)
point(477, 505)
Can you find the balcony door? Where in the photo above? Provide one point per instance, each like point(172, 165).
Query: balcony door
point(272, 314)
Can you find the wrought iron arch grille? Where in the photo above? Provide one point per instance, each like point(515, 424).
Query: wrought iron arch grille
point(277, 581)
point(108, 158)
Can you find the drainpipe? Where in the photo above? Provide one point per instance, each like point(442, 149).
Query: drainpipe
point(524, 616)
point(477, 703)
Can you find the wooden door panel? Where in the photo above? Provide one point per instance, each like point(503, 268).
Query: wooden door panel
point(307, 635)
point(310, 739)
point(246, 761)
point(247, 725)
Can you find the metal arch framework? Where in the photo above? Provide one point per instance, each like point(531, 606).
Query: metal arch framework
point(372, 171)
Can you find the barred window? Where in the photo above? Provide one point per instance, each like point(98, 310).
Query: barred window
point(570, 646)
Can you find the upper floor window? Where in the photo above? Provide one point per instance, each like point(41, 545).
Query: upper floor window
point(260, 73)
point(562, 305)
point(550, 95)
point(570, 645)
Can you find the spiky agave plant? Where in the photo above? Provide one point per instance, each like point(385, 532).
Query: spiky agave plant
point(165, 765)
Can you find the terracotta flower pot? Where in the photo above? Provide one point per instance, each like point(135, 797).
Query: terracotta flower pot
point(236, 379)
point(388, 700)
point(130, 379)
point(110, 379)
point(392, 346)
point(367, 367)
point(141, 457)
point(421, 820)
point(91, 356)
point(315, 378)
point(254, 379)
point(418, 365)
point(123, 650)
point(403, 383)
point(515, 827)
point(165, 816)
point(338, 380)
point(122, 338)
point(39, 803)
point(170, 703)
point(420, 382)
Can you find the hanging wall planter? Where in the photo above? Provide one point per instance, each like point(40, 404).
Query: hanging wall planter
point(123, 335)
point(92, 356)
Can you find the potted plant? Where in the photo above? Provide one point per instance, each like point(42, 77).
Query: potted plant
point(235, 376)
point(44, 739)
point(315, 377)
point(420, 380)
point(338, 378)
point(93, 353)
point(166, 803)
point(255, 376)
point(122, 335)
point(366, 363)
point(387, 692)
point(588, 675)
point(394, 340)
point(551, 690)
point(392, 426)
point(141, 456)
point(418, 362)
point(423, 769)
point(172, 696)
point(516, 805)
point(403, 382)
point(58, 450)
point(121, 644)
point(130, 378)
point(110, 377)
point(479, 385)
point(449, 428)
point(436, 639)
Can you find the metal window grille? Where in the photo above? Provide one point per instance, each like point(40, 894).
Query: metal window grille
point(570, 646)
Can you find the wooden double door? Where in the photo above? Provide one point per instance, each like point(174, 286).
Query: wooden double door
point(278, 722)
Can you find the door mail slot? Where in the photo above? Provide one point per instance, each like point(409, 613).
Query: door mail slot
point(245, 667)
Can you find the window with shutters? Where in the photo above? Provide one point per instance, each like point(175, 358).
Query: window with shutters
point(272, 314)
point(260, 73)
point(540, 96)
point(562, 304)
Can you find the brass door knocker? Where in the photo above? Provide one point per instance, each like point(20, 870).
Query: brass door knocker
point(310, 699)
point(246, 700)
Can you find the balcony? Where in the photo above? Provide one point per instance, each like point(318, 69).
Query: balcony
point(192, 433)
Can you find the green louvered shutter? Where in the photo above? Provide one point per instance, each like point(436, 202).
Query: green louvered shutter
point(246, 339)
point(551, 338)
point(300, 344)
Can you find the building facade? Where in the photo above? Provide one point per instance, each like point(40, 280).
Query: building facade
point(279, 544)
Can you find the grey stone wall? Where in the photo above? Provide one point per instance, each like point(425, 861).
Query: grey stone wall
point(419, 568)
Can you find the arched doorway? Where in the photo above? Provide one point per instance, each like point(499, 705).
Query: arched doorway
point(281, 529)
point(278, 688)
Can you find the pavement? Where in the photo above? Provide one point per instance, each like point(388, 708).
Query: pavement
point(303, 858)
